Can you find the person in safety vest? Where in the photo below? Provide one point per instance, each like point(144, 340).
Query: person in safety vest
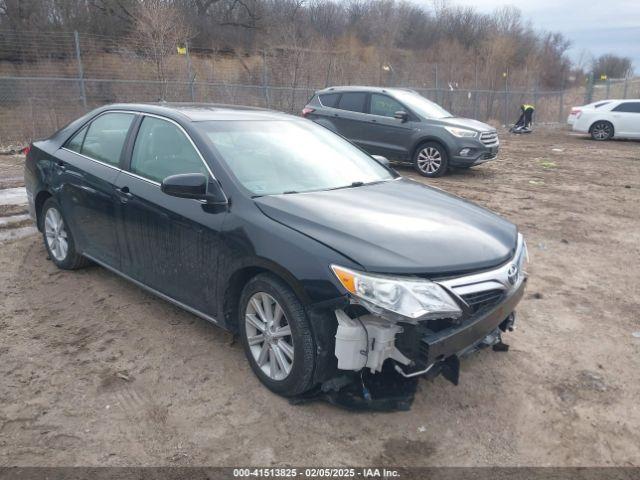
point(523, 125)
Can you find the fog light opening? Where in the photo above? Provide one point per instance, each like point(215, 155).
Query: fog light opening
point(465, 152)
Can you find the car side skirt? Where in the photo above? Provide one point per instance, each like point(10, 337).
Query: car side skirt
point(155, 292)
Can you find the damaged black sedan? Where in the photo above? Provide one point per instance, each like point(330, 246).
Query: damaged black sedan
point(341, 278)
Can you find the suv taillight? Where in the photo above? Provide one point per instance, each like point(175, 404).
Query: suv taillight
point(25, 151)
point(307, 110)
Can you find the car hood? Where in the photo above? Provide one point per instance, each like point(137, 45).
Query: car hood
point(467, 123)
point(398, 226)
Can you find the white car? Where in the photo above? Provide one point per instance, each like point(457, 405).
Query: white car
point(612, 119)
point(575, 111)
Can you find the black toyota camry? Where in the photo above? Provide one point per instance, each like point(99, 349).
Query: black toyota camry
point(331, 268)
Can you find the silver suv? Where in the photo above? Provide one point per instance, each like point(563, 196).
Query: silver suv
point(404, 126)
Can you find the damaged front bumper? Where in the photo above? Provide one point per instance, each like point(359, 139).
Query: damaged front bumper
point(426, 348)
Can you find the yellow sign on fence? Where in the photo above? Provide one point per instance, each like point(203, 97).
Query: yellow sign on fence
point(182, 50)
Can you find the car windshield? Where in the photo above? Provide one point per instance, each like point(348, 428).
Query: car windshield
point(420, 105)
point(277, 157)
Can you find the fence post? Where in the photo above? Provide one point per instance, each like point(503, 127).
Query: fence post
point(608, 87)
point(475, 93)
point(265, 79)
point(588, 96)
point(83, 93)
point(506, 97)
point(561, 109)
point(626, 86)
point(190, 73)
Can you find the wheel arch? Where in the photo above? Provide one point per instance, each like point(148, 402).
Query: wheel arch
point(41, 197)
point(242, 275)
point(428, 139)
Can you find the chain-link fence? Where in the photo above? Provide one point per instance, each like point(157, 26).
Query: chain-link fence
point(618, 88)
point(47, 79)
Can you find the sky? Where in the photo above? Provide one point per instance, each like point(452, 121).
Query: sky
point(599, 26)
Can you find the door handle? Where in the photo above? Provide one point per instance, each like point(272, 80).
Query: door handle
point(61, 165)
point(336, 115)
point(124, 194)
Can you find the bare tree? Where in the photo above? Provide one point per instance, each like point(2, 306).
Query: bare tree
point(612, 66)
point(160, 29)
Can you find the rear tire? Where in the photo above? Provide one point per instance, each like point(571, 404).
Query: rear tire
point(276, 336)
point(601, 130)
point(431, 160)
point(58, 239)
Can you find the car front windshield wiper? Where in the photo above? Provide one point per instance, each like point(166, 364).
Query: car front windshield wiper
point(354, 185)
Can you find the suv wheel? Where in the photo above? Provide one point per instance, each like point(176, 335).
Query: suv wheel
point(430, 160)
point(601, 130)
point(276, 336)
point(58, 239)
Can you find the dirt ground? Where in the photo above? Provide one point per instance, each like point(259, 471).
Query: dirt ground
point(94, 371)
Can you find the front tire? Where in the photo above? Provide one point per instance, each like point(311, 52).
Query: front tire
point(58, 239)
point(601, 130)
point(276, 336)
point(431, 160)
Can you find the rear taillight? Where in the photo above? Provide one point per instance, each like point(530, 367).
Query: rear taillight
point(307, 110)
point(576, 111)
point(26, 150)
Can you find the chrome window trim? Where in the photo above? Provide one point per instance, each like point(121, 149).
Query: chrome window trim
point(88, 124)
point(148, 180)
point(128, 172)
point(92, 159)
point(490, 280)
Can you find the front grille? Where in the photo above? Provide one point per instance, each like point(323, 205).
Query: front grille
point(489, 139)
point(483, 300)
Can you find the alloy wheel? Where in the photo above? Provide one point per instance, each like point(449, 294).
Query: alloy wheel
point(269, 336)
point(56, 234)
point(429, 160)
point(601, 131)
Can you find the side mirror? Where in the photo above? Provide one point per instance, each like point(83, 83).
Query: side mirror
point(402, 116)
point(193, 185)
point(383, 160)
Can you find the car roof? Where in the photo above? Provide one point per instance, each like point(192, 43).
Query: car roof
point(201, 112)
point(363, 88)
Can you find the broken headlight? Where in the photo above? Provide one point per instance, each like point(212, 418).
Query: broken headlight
point(411, 298)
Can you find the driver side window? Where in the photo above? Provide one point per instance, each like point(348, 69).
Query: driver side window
point(162, 149)
point(384, 106)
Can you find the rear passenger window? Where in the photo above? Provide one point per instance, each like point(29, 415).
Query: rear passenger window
point(105, 138)
point(162, 150)
point(75, 143)
point(629, 107)
point(354, 102)
point(329, 99)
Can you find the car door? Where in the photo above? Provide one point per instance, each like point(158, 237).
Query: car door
point(626, 118)
point(87, 168)
point(169, 244)
point(350, 117)
point(384, 134)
